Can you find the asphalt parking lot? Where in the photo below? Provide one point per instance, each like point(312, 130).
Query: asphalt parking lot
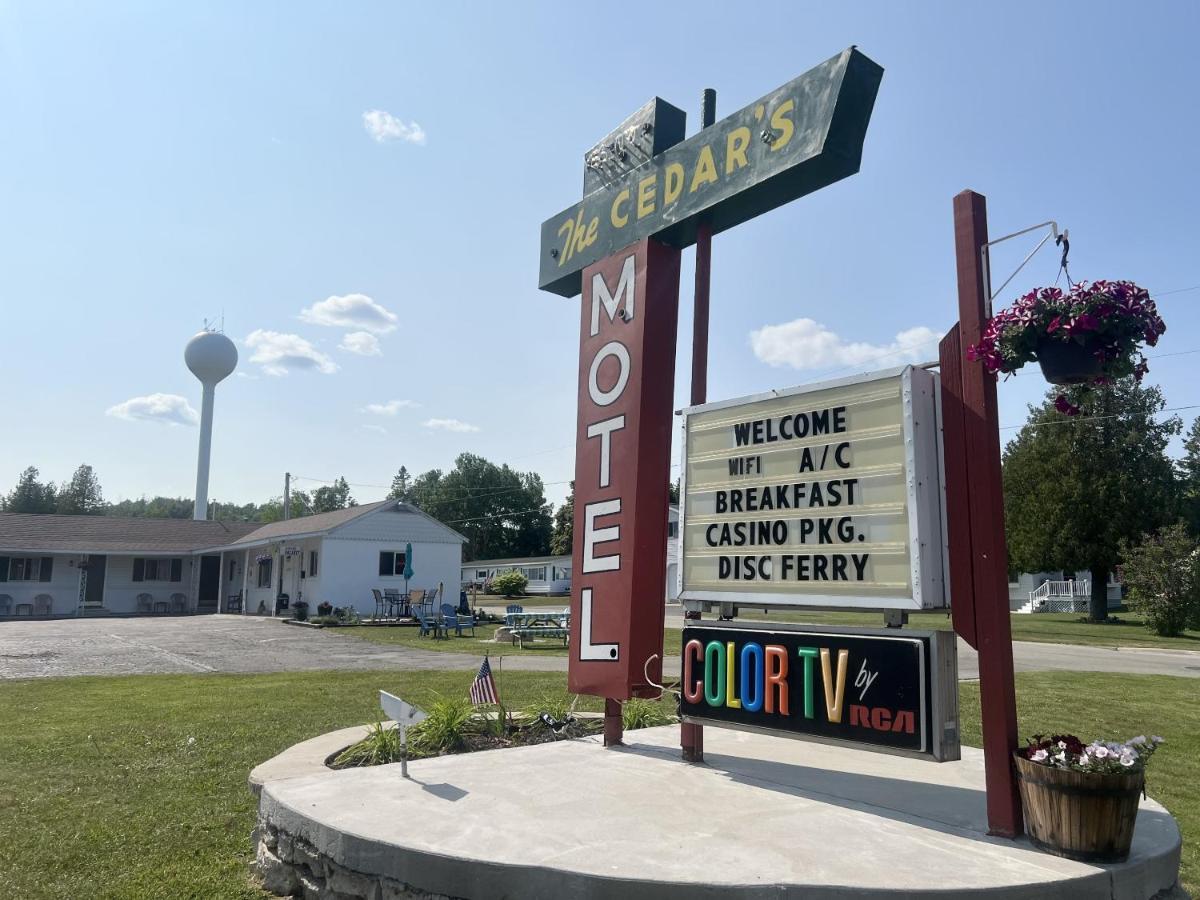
point(200, 644)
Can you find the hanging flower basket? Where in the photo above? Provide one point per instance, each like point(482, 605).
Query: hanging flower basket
point(1091, 334)
point(1080, 801)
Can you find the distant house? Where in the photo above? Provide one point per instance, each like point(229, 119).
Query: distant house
point(552, 574)
point(1058, 592)
point(98, 565)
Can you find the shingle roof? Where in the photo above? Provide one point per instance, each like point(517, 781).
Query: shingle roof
point(114, 534)
point(308, 524)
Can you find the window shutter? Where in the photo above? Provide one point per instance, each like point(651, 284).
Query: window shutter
point(3, 568)
point(177, 570)
point(139, 570)
point(47, 571)
point(312, 563)
point(386, 562)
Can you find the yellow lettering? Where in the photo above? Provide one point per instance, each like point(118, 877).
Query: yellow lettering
point(672, 183)
point(781, 123)
point(569, 227)
point(619, 220)
point(735, 149)
point(593, 226)
point(834, 697)
point(645, 204)
point(706, 169)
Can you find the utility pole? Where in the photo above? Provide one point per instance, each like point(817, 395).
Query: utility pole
point(287, 495)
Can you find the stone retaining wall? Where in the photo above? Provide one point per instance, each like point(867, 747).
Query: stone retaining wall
point(291, 867)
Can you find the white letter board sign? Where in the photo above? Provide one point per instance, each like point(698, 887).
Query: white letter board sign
point(828, 494)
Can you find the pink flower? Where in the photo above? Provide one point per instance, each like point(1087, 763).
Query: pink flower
point(1065, 406)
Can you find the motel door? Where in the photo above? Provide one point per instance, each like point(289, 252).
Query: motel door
point(210, 584)
point(94, 591)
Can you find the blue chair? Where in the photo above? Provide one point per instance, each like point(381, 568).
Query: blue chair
point(456, 620)
point(511, 610)
point(429, 625)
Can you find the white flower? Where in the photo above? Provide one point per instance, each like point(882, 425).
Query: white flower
point(1138, 741)
point(1101, 752)
point(191, 740)
point(1127, 760)
point(1085, 760)
point(1062, 745)
point(1039, 756)
point(1157, 739)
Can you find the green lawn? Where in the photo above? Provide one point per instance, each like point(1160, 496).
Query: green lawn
point(1053, 628)
point(406, 636)
point(103, 794)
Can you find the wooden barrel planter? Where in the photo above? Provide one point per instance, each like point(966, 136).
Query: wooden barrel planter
point(1079, 815)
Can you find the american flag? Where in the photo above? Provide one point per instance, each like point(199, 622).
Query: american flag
point(483, 688)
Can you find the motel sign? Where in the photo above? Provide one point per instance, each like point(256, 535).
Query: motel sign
point(646, 192)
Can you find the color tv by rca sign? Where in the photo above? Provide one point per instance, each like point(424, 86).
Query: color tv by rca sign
point(877, 689)
point(623, 447)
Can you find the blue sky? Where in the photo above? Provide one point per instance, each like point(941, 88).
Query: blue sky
point(166, 163)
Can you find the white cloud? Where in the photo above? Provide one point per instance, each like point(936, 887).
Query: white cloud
point(361, 342)
point(450, 425)
point(279, 353)
point(807, 344)
point(390, 408)
point(376, 428)
point(169, 408)
point(384, 127)
point(351, 311)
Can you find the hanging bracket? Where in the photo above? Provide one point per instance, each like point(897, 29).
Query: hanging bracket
point(984, 258)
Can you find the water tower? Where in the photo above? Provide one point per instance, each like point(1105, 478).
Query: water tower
point(211, 356)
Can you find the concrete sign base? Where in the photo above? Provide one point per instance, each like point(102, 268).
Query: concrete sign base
point(766, 817)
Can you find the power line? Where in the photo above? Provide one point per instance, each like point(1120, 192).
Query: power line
point(1072, 419)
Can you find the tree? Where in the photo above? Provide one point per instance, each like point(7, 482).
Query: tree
point(329, 497)
point(1163, 577)
point(500, 511)
point(31, 495)
point(1074, 487)
point(401, 490)
point(1189, 478)
point(562, 541)
point(81, 496)
point(673, 492)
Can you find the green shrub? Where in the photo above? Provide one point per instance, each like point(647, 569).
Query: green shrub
point(325, 620)
point(639, 713)
point(511, 583)
point(1162, 575)
point(449, 721)
point(380, 746)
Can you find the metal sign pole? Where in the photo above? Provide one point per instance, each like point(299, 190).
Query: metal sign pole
point(691, 736)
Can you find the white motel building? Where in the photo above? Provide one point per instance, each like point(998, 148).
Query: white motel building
point(58, 566)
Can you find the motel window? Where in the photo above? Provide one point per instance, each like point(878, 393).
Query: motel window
point(672, 529)
point(391, 562)
point(561, 572)
point(536, 573)
point(264, 572)
point(146, 569)
point(26, 568)
point(312, 563)
point(232, 569)
point(481, 574)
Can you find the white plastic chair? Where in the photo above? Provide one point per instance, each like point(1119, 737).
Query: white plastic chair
point(145, 603)
point(6, 605)
point(43, 604)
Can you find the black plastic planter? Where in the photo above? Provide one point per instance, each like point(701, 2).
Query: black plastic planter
point(1066, 362)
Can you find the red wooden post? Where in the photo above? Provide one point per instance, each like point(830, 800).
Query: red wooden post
point(979, 450)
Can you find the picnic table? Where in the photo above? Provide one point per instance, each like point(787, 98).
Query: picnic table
point(543, 623)
point(540, 617)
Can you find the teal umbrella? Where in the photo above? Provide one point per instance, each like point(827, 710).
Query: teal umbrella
point(408, 569)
